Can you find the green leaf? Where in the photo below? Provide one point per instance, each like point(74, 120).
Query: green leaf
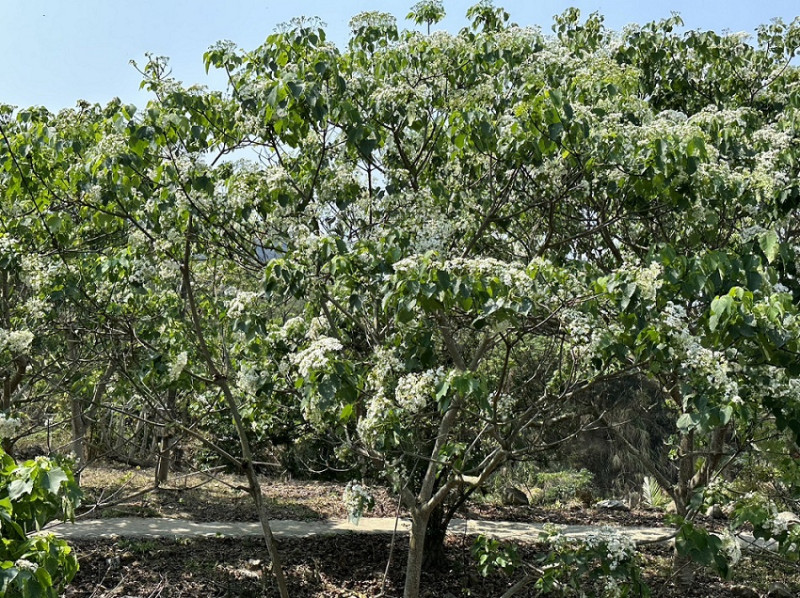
point(19, 488)
point(347, 412)
point(688, 421)
point(769, 244)
point(54, 478)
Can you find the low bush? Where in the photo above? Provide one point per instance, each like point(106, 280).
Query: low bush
point(32, 494)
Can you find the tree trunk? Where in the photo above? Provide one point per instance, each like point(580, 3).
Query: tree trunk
point(165, 440)
point(435, 533)
point(684, 569)
point(416, 553)
point(163, 460)
point(241, 430)
point(79, 434)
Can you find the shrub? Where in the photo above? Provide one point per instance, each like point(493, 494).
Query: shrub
point(563, 485)
point(32, 494)
point(653, 496)
point(604, 562)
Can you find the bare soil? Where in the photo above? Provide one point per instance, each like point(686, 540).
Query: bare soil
point(347, 565)
point(115, 491)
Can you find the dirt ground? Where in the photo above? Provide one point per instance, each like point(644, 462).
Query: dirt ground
point(338, 566)
point(349, 565)
point(113, 491)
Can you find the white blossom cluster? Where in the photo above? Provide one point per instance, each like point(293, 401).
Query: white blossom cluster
point(649, 280)
point(17, 342)
point(249, 379)
point(37, 272)
point(318, 327)
point(778, 525)
point(316, 355)
point(8, 245)
point(147, 269)
point(432, 226)
point(110, 144)
point(177, 366)
point(9, 426)
point(357, 499)
point(293, 330)
point(582, 330)
point(731, 547)
point(386, 367)
point(35, 308)
point(606, 542)
point(143, 270)
point(94, 194)
point(370, 425)
point(510, 274)
point(407, 263)
point(780, 385)
point(251, 182)
point(414, 390)
point(26, 565)
point(241, 303)
point(708, 370)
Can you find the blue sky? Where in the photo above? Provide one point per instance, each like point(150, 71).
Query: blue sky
point(55, 52)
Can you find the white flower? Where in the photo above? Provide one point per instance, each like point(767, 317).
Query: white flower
point(649, 280)
point(316, 355)
point(178, 366)
point(731, 547)
point(415, 390)
point(16, 341)
point(357, 499)
point(607, 542)
point(26, 565)
point(249, 379)
point(9, 426)
point(241, 303)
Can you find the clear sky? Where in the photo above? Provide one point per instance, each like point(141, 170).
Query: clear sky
point(55, 52)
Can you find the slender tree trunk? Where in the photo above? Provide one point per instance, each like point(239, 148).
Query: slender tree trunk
point(80, 422)
point(241, 430)
point(255, 491)
point(684, 568)
point(416, 553)
point(163, 459)
point(79, 433)
point(165, 440)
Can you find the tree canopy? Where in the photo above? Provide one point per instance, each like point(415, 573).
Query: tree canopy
point(427, 251)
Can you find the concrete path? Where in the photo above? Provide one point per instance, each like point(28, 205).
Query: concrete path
point(134, 527)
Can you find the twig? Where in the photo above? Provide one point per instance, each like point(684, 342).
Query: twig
point(391, 548)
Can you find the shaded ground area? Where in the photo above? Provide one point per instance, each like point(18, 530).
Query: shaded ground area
point(347, 565)
point(120, 492)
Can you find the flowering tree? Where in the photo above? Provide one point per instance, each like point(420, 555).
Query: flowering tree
point(429, 248)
